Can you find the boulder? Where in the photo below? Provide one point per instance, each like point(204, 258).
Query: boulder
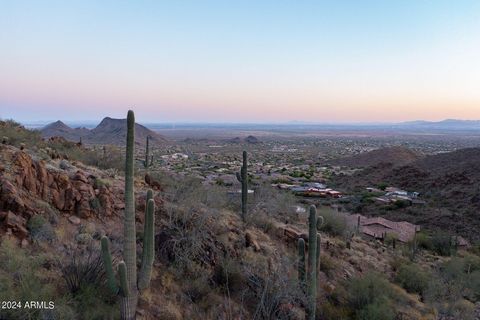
point(74, 220)
point(16, 224)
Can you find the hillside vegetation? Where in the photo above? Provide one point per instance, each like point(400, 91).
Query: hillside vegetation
point(449, 182)
point(57, 203)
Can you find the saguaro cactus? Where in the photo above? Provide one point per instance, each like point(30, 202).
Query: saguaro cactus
point(127, 269)
point(301, 263)
point(242, 177)
point(310, 281)
point(147, 162)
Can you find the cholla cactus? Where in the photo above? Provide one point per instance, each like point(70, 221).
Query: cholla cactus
point(127, 269)
point(242, 177)
point(309, 283)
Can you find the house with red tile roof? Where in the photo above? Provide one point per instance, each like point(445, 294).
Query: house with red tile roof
point(378, 227)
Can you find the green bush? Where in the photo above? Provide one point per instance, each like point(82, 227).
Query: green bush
point(424, 241)
point(412, 278)
point(442, 244)
point(379, 310)
point(94, 302)
point(21, 280)
point(370, 297)
point(40, 229)
point(327, 264)
point(334, 222)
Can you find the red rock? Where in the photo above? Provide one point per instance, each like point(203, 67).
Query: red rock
point(16, 224)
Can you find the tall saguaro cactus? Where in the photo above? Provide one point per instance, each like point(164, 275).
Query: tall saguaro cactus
point(127, 269)
point(147, 162)
point(312, 268)
point(242, 177)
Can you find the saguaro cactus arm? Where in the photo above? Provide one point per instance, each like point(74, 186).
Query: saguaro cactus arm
point(301, 263)
point(148, 246)
point(107, 262)
point(319, 238)
point(122, 273)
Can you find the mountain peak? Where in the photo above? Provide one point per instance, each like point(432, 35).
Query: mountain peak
point(108, 131)
point(58, 124)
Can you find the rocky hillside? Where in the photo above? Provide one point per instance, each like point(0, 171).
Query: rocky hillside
point(449, 182)
point(203, 250)
point(209, 264)
point(395, 156)
point(109, 131)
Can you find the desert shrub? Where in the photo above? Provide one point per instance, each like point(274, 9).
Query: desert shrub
point(36, 222)
point(412, 278)
point(47, 211)
point(112, 157)
point(271, 290)
point(197, 289)
point(81, 267)
point(187, 239)
point(334, 222)
point(190, 190)
point(390, 239)
point(382, 186)
point(397, 262)
point(273, 202)
point(262, 221)
point(228, 274)
point(399, 204)
point(40, 229)
point(18, 134)
point(424, 241)
point(331, 311)
point(99, 183)
point(446, 297)
point(21, 280)
point(84, 275)
point(453, 281)
point(94, 302)
point(327, 264)
point(370, 297)
point(442, 243)
point(378, 310)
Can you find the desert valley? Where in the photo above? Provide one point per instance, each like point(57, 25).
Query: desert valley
point(397, 241)
point(240, 160)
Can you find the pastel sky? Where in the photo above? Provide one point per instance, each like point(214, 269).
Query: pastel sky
point(240, 61)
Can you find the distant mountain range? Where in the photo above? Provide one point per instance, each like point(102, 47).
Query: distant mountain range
point(109, 131)
point(448, 124)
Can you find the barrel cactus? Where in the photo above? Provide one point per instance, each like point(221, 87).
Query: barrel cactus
point(127, 269)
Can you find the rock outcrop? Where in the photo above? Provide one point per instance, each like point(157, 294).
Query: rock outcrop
point(26, 184)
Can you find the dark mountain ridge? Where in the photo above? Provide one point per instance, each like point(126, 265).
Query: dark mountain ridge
point(109, 131)
point(395, 156)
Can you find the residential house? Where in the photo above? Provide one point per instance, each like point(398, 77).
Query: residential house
point(378, 227)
